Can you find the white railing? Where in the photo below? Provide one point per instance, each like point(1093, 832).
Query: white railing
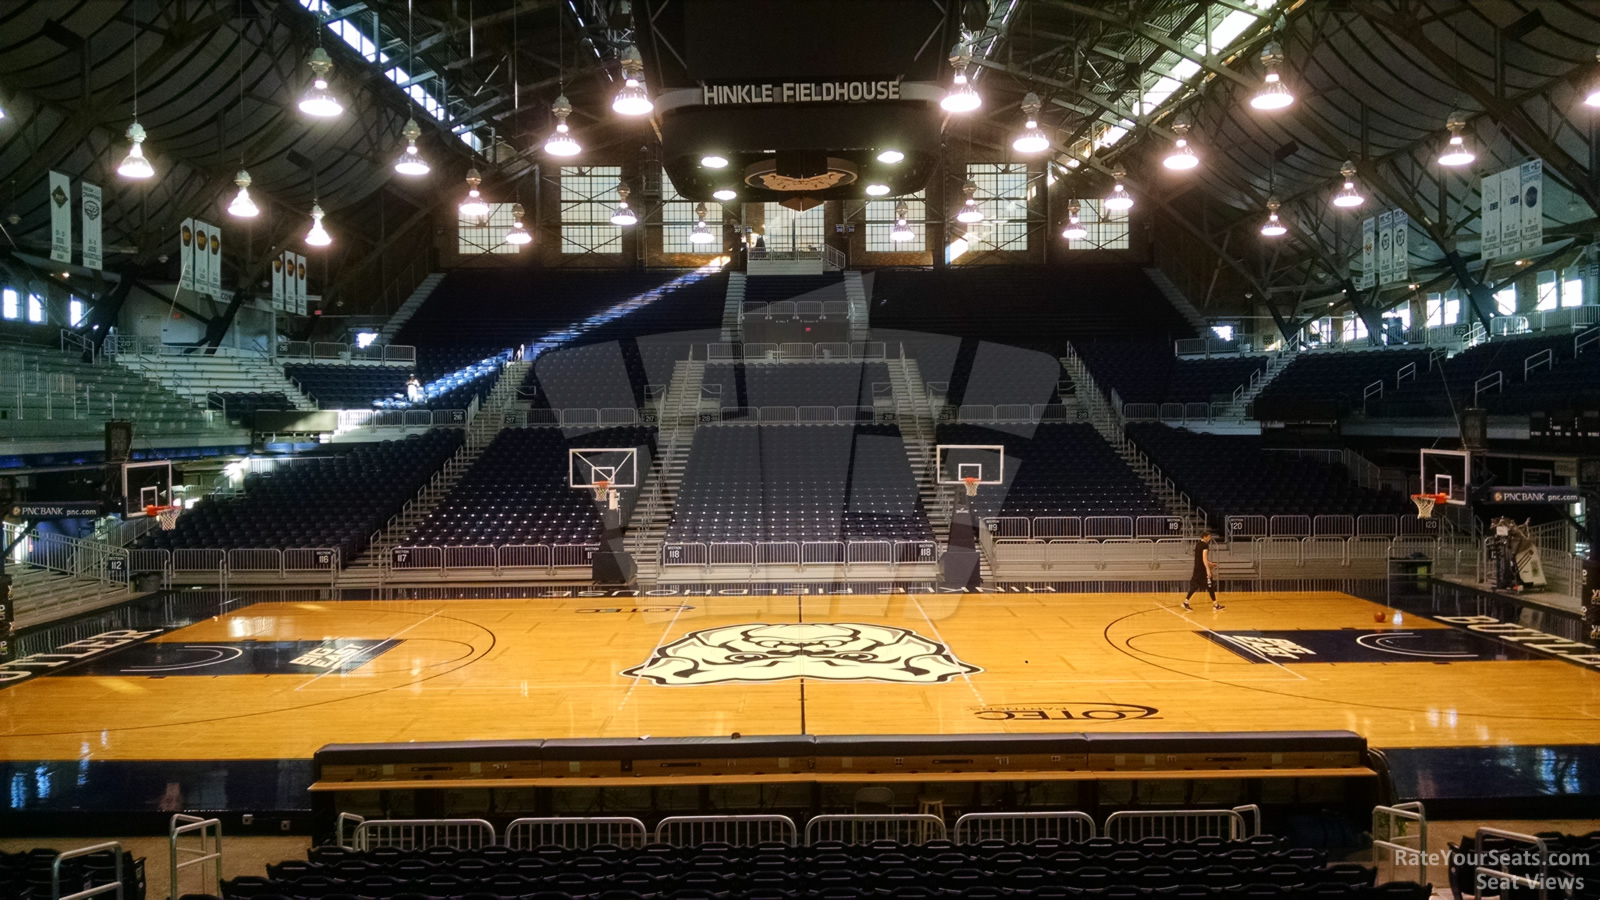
point(749, 554)
point(1161, 554)
point(428, 557)
point(576, 833)
point(736, 831)
point(414, 834)
point(1024, 827)
point(1504, 879)
point(1179, 824)
point(337, 352)
point(1402, 829)
point(225, 563)
point(206, 847)
point(352, 419)
point(93, 560)
point(910, 828)
point(113, 888)
point(795, 351)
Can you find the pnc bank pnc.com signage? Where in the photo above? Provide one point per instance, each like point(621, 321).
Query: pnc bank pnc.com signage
point(780, 92)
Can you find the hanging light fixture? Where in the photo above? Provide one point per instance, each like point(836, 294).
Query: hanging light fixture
point(1593, 98)
point(701, 233)
point(242, 206)
point(725, 194)
point(891, 156)
point(519, 233)
point(1118, 199)
point(633, 99)
point(1032, 139)
point(961, 98)
point(877, 190)
point(1273, 227)
point(1348, 197)
point(623, 215)
point(1456, 152)
point(1182, 156)
point(317, 236)
point(474, 210)
point(561, 141)
point(135, 165)
point(318, 100)
point(902, 229)
point(411, 162)
point(969, 212)
point(1074, 230)
point(1274, 94)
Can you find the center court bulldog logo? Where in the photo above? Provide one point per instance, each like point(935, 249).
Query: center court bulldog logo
point(834, 651)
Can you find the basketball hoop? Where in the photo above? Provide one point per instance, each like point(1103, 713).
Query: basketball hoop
point(602, 489)
point(1426, 502)
point(971, 484)
point(165, 516)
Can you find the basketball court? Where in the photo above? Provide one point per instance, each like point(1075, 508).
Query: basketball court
point(274, 679)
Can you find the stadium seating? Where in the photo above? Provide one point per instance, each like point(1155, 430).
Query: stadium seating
point(1449, 385)
point(794, 384)
point(517, 492)
point(346, 386)
point(1340, 378)
point(608, 374)
point(1264, 866)
point(27, 875)
point(798, 483)
point(1577, 876)
point(775, 288)
point(54, 394)
point(1060, 469)
point(1233, 475)
point(240, 406)
point(333, 501)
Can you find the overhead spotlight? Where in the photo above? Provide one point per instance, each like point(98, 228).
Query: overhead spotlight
point(1118, 199)
point(2, 113)
point(474, 211)
point(623, 215)
point(891, 156)
point(242, 206)
point(1074, 230)
point(1182, 156)
point(961, 98)
point(1273, 227)
point(411, 161)
point(877, 190)
point(317, 236)
point(1274, 94)
point(701, 233)
point(1593, 98)
point(633, 99)
point(1032, 139)
point(318, 100)
point(713, 161)
point(561, 142)
point(1348, 197)
point(724, 194)
point(135, 165)
point(902, 229)
point(519, 233)
point(1456, 152)
point(969, 212)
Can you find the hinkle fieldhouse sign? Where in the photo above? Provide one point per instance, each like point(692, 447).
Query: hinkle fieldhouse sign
point(799, 92)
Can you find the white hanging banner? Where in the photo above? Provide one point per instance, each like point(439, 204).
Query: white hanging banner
point(1511, 211)
point(93, 254)
point(60, 218)
point(1531, 181)
point(1400, 268)
point(186, 254)
point(277, 282)
point(215, 268)
point(300, 284)
point(1385, 247)
point(1489, 215)
point(1369, 253)
point(202, 256)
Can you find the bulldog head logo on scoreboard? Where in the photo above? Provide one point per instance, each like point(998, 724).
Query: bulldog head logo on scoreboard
point(833, 651)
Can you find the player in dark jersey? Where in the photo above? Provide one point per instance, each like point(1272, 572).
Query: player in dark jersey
point(1204, 577)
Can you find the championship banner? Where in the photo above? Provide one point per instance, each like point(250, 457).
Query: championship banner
point(277, 282)
point(93, 254)
point(300, 289)
point(1489, 215)
point(1369, 253)
point(60, 218)
point(1385, 247)
point(1400, 268)
point(1531, 181)
point(215, 270)
point(186, 254)
point(1511, 211)
point(202, 256)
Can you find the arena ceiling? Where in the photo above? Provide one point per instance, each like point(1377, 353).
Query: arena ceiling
point(1374, 80)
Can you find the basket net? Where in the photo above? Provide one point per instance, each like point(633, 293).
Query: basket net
point(166, 516)
point(602, 489)
point(1426, 502)
point(971, 485)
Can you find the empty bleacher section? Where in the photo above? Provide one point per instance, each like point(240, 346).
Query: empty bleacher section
point(838, 489)
point(610, 374)
point(1064, 473)
point(28, 874)
point(1235, 476)
point(196, 374)
point(1040, 308)
point(1144, 372)
point(356, 386)
point(737, 386)
point(240, 406)
point(1333, 383)
point(517, 494)
point(1504, 375)
point(332, 501)
point(47, 394)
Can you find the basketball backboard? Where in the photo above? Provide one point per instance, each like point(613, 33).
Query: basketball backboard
point(958, 462)
point(1447, 472)
point(617, 466)
point(147, 483)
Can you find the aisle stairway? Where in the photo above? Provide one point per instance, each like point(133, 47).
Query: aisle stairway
point(855, 294)
point(1169, 289)
point(677, 419)
point(918, 424)
point(372, 566)
point(733, 308)
point(413, 303)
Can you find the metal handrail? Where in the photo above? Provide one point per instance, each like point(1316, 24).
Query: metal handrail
point(1540, 883)
point(1024, 827)
point(738, 831)
point(1389, 817)
point(115, 886)
point(210, 832)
